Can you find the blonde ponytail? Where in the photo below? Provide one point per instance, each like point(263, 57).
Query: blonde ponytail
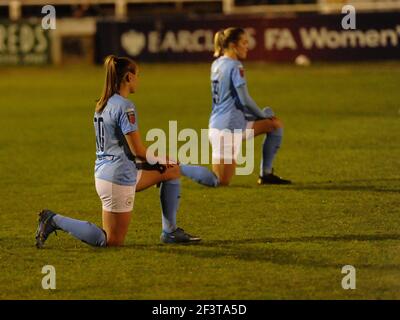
point(219, 40)
point(223, 37)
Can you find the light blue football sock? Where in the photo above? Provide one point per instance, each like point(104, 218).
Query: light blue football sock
point(82, 230)
point(169, 197)
point(271, 144)
point(200, 174)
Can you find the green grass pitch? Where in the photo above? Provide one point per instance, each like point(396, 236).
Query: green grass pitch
point(341, 148)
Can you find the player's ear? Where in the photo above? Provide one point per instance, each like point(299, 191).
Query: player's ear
point(127, 79)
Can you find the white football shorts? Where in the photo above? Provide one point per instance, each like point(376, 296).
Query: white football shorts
point(226, 145)
point(114, 197)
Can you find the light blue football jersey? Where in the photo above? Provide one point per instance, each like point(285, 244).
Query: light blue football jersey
point(113, 157)
point(226, 75)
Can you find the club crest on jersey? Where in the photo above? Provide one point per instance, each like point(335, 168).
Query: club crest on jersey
point(241, 70)
point(131, 117)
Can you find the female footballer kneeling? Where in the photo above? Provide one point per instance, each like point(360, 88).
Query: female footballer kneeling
point(234, 111)
point(117, 173)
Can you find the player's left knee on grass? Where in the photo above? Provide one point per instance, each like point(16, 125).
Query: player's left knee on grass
point(115, 240)
point(115, 243)
point(224, 181)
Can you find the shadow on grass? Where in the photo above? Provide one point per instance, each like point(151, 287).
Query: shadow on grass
point(348, 185)
point(234, 249)
point(348, 237)
point(233, 185)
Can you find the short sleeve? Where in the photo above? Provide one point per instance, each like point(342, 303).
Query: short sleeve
point(127, 119)
point(238, 78)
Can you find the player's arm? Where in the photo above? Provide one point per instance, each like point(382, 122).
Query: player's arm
point(239, 82)
point(137, 148)
point(247, 102)
point(127, 121)
point(136, 145)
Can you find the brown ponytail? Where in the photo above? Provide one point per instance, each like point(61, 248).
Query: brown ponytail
point(223, 38)
point(116, 69)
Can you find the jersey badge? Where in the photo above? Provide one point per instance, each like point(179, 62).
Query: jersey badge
point(131, 117)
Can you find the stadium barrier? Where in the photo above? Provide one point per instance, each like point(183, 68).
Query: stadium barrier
point(319, 37)
point(15, 7)
point(227, 7)
point(24, 43)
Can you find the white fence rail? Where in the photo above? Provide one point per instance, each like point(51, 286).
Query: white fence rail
point(321, 6)
point(120, 6)
point(228, 6)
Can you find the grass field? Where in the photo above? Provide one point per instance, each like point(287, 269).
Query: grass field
point(341, 148)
